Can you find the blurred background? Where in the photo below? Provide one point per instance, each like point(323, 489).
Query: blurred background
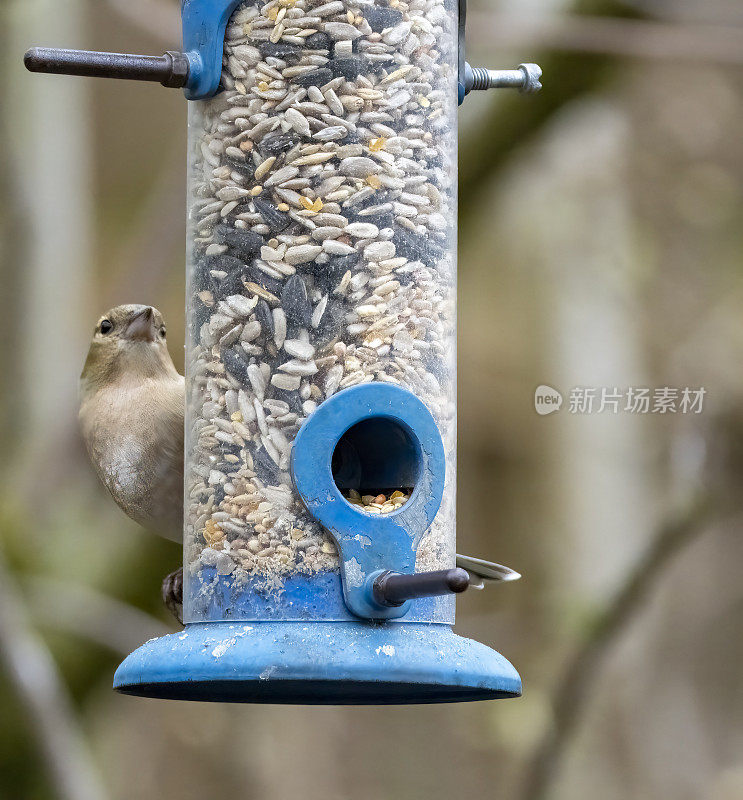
point(600, 246)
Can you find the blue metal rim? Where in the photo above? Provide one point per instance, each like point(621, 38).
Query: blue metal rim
point(317, 663)
point(211, 597)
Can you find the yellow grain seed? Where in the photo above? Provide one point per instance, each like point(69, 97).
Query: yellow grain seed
point(424, 101)
point(256, 190)
point(236, 417)
point(311, 205)
point(374, 182)
point(395, 495)
point(350, 17)
point(283, 206)
point(264, 168)
point(263, 86)
point(375, 145)
point(273, 13)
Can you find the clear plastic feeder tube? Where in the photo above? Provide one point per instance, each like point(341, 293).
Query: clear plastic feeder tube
point(322, 255)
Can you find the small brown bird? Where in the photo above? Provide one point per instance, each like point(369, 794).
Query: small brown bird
point(131, 417)
point(132, 404)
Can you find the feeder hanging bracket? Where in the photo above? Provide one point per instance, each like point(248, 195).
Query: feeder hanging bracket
point(198, 69)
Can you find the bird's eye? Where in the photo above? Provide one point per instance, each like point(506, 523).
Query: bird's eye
point(106, 326)
point(162, 332)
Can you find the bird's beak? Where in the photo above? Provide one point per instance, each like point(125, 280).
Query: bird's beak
point(141, 326)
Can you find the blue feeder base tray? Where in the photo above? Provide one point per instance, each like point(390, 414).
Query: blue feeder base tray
point(317, 663)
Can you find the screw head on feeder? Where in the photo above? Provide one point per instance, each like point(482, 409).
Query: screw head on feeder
point(525, 78)
point(532, 73)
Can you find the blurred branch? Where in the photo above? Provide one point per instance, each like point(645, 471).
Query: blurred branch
point(91, 615)
point(571, 695)
point(33, 673)
point(634, 38)
point(51, 178)
point(507, 121)
point(158, 18)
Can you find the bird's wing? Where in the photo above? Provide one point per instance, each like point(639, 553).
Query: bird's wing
point(482, 572)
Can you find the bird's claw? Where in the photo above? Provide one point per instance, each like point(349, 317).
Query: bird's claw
point(172, 593)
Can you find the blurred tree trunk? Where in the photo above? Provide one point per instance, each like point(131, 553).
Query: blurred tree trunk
point(49, 140)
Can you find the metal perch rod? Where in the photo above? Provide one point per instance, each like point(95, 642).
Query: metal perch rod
point(393, 589)
point(169, 69)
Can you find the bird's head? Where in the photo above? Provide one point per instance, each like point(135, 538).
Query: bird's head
point(128, 343)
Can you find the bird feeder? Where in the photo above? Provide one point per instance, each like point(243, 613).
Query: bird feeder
point(319, 534)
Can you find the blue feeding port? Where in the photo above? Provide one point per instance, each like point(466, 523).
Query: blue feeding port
point(376, 436)
point(324, 639)
point(375, 453)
